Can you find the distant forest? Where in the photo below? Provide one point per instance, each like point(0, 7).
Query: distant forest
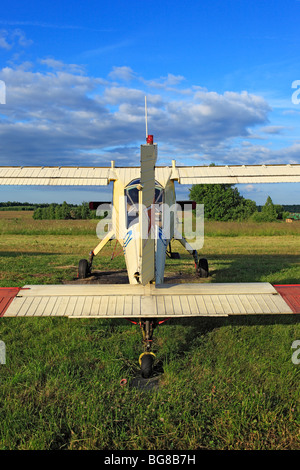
point(292, 208)
point(20, 206)
point(53, 211)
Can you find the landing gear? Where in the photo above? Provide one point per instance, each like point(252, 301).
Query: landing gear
point(146, 359)
point(171, 254)
point(83, 269)
point(146, 362)
point(203, 267)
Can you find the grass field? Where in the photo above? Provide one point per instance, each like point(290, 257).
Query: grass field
point(222, 383)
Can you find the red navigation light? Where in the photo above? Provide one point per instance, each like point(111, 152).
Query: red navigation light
point(150, 139)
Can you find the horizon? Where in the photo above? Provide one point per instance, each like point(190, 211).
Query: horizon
point(20, 203)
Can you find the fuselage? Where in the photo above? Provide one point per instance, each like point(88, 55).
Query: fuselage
point(127, 226)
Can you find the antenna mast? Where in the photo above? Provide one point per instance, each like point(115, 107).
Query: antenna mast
point(149, 138)
point(146, 117)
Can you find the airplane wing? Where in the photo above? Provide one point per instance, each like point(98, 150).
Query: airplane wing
point(74, 176)
point(236, 174)
point(99, 176)
point(137, 301)
point(61, 176)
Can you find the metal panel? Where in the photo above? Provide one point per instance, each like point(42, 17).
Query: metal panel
point(162, 175)
point(291, 294)
point(128, 174)
point(7, 294)
point(137, 301)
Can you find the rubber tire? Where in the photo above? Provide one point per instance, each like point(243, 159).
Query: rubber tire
point(83, 269)
point(203, 267)
point(146, 365)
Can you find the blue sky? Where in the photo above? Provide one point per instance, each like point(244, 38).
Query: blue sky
point(218, 78)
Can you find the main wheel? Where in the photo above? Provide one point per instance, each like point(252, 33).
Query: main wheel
point(203, 267)
point(146, 365)
point(83, 269)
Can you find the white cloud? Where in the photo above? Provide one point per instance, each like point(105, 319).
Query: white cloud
point(11, 38)
point(59, 65)
point(116, 95)
point(4, 44)
point(122, 73)
point(57, 114)
point(168, 83)
point(273, 129)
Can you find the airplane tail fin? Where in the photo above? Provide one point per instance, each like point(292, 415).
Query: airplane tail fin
point(146, 199)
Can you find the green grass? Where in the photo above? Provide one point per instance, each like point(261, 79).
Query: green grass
point(226, 383)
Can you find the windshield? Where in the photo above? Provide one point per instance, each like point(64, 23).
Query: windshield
point(132, 200)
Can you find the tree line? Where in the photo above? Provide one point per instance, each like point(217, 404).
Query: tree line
point(19, 206)
point(224, 202)
point(64, 211)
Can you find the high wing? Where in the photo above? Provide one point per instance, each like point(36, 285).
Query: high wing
point(236, 174)
point(99, 176)
point(52, 176)
point(74, 176)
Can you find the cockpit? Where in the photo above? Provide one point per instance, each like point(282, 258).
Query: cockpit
point(132, 200)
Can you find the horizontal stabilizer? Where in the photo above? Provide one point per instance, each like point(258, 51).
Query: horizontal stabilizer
point(165, 300)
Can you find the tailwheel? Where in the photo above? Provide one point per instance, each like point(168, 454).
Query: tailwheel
point(146, 361)
point(83, 269)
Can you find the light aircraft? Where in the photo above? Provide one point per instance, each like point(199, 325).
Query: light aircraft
point(145, 233)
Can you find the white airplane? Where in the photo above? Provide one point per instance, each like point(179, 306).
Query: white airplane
point(145, 232)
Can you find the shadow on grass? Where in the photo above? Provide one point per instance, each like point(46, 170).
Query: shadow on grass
point(200, 327)
point(247, 268)
point(203, 325)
